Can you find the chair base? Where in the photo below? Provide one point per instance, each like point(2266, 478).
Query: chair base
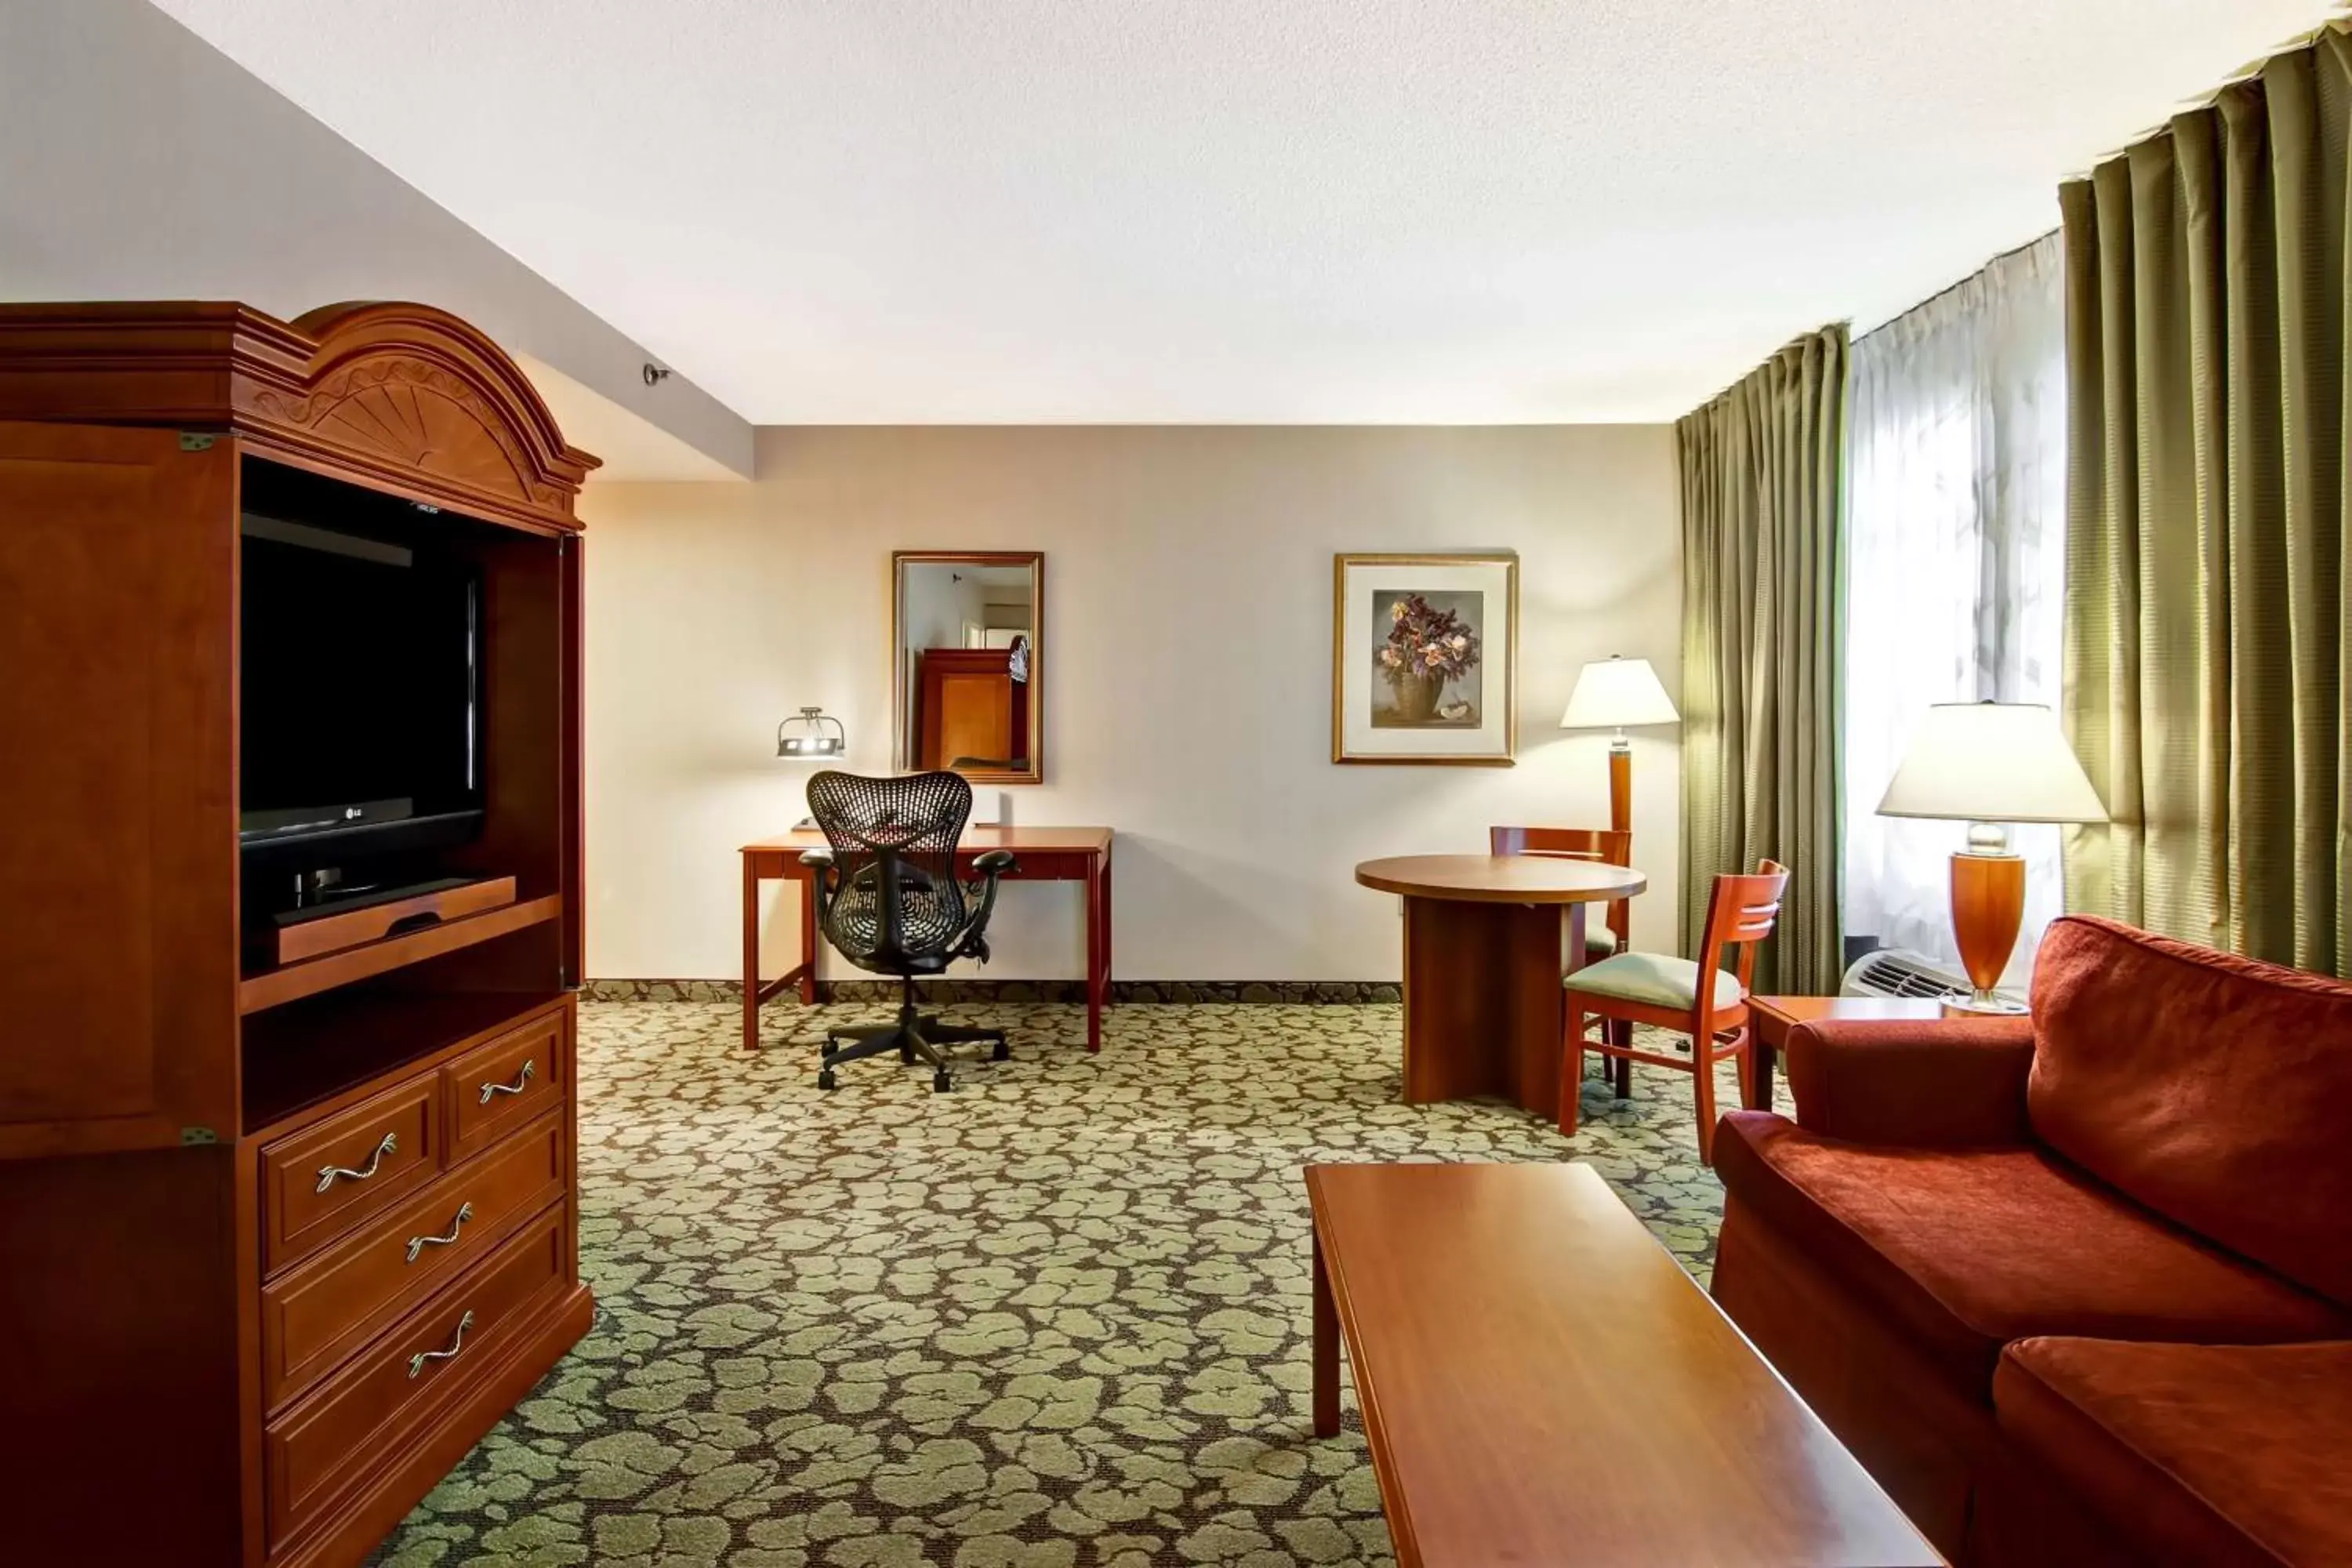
point(915, 1036)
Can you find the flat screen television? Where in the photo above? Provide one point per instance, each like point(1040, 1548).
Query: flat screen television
point(360, 681)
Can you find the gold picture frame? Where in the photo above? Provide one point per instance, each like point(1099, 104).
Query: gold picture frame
point(907, 744)
point(1414, 657)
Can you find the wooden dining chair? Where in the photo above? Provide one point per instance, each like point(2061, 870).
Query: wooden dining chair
point(1651, 988)
point(1605, 845)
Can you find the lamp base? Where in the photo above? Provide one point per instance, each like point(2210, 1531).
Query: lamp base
point(1621, 784)
point(1987, 908)
point(1986, 1004)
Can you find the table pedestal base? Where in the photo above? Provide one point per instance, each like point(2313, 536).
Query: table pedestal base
point(1483, 1011)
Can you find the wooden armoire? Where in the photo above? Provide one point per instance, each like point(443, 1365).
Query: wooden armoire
point(278, 1240)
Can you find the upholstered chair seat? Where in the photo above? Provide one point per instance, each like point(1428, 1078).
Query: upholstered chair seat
point(1655, 980)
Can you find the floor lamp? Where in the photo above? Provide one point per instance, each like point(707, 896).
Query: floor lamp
point(1614, 693)
point(1989, 764)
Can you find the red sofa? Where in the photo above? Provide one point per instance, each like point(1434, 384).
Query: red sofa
point(2076, 1289)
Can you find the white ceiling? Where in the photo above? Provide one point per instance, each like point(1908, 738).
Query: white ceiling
point(1284, 211)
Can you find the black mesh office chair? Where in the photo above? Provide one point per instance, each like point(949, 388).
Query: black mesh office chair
point(887, 898)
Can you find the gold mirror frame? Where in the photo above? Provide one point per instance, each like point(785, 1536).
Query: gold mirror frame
point(902, 747)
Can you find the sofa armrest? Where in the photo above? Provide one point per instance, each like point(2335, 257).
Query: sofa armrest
point(1947, 1082)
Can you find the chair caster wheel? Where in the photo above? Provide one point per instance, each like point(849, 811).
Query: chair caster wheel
point(941, 1083)
point(825, 1080)
point(1002, 1053)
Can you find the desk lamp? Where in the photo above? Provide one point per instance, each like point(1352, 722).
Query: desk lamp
point(1988, 765)
point(804, 738)
point(1611, 694)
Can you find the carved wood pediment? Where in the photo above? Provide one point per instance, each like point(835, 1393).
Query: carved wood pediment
point(417, 388)
point(408, 394)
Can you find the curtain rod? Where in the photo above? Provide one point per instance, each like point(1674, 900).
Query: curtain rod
point(2340, 22)
point(1954, 285)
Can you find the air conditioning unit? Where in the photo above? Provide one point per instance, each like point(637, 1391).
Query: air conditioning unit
point(1899, 972)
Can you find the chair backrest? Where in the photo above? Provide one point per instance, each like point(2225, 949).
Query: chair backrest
point(894, 842)
point(1606, 846)
point(1741, 911)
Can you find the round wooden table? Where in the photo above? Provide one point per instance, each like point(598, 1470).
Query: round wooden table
point(1487, 938)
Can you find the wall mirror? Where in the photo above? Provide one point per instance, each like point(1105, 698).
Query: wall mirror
point(968, 682)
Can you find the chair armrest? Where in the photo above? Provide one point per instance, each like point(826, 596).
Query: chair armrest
point(1949, 1082)
point(973, 942)
point(821, 859)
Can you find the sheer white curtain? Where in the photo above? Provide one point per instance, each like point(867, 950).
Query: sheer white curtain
point(1956, 553)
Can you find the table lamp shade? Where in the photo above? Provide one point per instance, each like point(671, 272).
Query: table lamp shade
point(1992, 762)
point(1613, 694)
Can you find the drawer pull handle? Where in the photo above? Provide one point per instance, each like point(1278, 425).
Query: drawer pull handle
point(330, 1174)
point(456, 1343)
point(521, 1082)
point(417, 1244)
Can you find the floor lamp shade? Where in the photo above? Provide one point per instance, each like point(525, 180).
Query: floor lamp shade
point(1611, 694)
point(1989, 764)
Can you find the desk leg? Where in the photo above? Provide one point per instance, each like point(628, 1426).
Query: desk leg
point(1326, 1350)
point(750, 954)
point(1098, 947)
point(808, 942)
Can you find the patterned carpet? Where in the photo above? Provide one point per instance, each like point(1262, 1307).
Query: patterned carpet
point(1055, 1318)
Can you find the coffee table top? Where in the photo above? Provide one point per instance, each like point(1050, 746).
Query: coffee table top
point(1537, 1374)
point(1502, 878)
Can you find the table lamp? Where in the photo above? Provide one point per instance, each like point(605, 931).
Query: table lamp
point(1988, 765)
point(1611, 694)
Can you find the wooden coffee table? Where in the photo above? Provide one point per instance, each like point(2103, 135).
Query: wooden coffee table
point(1541, 1384)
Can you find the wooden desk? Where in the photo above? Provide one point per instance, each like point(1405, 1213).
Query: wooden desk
point(1542, 1383)
point(1487, 940)
point(1774, 1017)
point(1044, 854)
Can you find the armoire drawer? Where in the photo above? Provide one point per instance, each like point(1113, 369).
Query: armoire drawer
point(320, 1311)
point(320, 1182)
point(503, 1083)
point(317, 1448)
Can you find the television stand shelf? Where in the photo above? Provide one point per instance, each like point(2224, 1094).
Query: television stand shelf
point(294, 936)
point(272, 988)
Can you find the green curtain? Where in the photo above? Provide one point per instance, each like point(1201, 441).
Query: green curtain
point(2206, 617)
point(1761, 494)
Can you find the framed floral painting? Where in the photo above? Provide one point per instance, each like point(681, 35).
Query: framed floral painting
point(1422, 656)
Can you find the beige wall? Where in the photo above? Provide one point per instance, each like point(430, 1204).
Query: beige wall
point(1188, 650)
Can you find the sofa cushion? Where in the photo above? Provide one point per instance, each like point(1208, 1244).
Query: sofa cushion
point(2196, 1454)
point(2209, 1088)
point(1965, 1249)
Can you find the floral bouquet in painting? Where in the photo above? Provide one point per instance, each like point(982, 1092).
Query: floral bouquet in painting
point(1426, 648)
